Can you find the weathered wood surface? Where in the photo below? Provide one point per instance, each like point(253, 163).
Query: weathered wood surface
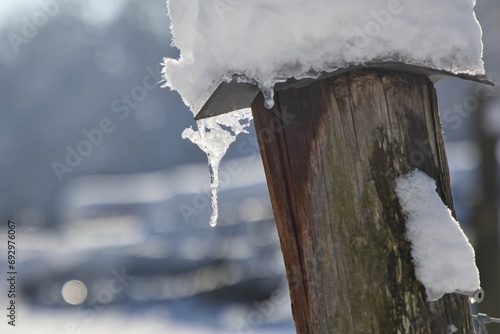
point(331, 151)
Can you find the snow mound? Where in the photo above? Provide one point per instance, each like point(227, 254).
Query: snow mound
point(270, 41)
point(442, 255)
point(265, 42)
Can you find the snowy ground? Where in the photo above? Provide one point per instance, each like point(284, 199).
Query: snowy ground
point(31, 322)
point(67, 322)
point(152, 263)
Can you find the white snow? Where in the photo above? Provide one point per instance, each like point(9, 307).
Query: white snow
point(442, 255)
point(267, 41)
point(274, 40)
point(98, 319)
point(452, 329)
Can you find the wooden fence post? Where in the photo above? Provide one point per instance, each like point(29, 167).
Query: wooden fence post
point(332, 150)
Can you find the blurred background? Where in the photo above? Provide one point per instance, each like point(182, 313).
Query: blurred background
point(112, 206)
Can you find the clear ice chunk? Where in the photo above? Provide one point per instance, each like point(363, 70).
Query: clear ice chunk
point(214, 136)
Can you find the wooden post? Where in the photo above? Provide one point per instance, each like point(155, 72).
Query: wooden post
point(331, 151)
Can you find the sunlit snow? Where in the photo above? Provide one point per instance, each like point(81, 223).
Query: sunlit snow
point(443, 258)
point(271, 41)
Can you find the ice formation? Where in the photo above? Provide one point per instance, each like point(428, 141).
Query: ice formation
point(268, 41)
point(442, 255)
point(214, 135)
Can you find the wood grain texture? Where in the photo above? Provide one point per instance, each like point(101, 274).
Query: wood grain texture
point(331, 151)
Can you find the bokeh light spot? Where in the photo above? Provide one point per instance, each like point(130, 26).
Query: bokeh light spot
point(74, 292)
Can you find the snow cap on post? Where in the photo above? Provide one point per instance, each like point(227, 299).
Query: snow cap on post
point(263, 42)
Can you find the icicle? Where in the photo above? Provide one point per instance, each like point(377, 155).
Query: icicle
point(214, 136)
point(214, 186)
point(267, 89)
